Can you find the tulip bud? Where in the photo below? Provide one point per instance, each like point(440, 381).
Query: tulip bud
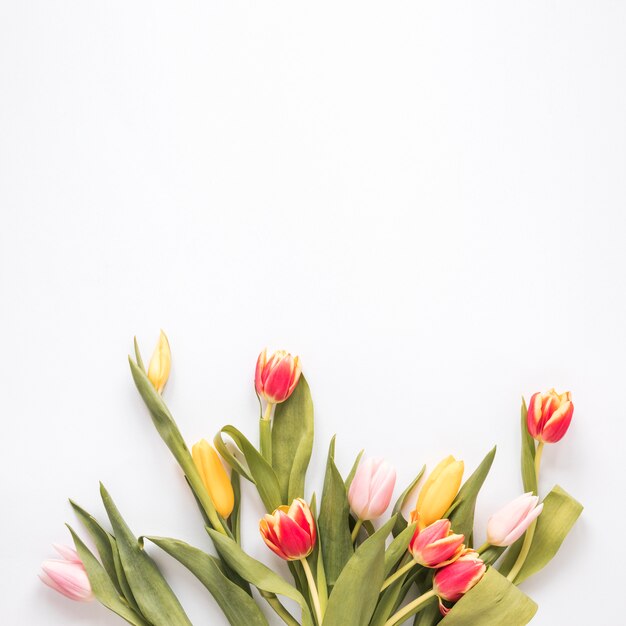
point(160, 364)
point(454, 580)
point(290, 531)
point(276, 378)
point(511, 521)
point(436, 545)
point(371, 489)
point(549, 415)
point(438, 492)
point(67, 575)
point(214, 477)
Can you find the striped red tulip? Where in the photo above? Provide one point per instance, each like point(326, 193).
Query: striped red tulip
point(67, 575)
point(277, 376)
point(453, 581)
point(436, 545)
point(290, 531)
point(549, 415)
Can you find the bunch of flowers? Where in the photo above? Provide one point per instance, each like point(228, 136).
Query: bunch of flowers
point(344, 570)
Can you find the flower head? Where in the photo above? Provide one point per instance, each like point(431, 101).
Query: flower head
point(371, 489)
point(436, 545)
point(509, 523)
point(277, 376)
point(549, 415)
point(67, 575)
point(214, 476)
point(290, 531)
point(160, 363)
point(451, 582)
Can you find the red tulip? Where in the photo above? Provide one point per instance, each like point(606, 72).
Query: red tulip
point(453, 581)
point(549, 415)
point(436, 545)
point(276, 378)
point(290, 531)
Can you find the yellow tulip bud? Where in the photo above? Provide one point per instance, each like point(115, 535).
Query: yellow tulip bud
point(160, 364)
point(438, 492)
point(214, 477)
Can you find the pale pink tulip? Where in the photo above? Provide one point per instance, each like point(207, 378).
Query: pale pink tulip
point(436, 545)
point(371, 489)
point(508, 524)
point(67, 576)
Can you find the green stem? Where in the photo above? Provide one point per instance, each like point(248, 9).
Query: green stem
point(280, 610)
point(403, 570)
point(530, 533)
point(410, 609)
point(314, 595)
point(355, 530)
point(484, 547)
point(265, 434)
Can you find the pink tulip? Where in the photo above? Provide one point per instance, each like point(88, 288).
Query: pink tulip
point(436, 545)
point(371, 489)
point(453, 581)
point(67, 576)
point(549, 415)
point(508, 524)
point(276, 378)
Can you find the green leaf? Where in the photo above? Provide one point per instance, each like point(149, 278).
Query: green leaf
point(153, 595)
point(258, 470)
point(401, 501)
point(138, 358)
point(333, 521)
point(560, 512)
point(292, 441)
point(169, 432)
point(350, 476)
point(258, 574)
point(494, 601)
point(354, 596)
point(109, 554)
point(461, 513)
point(529, 477)
point(398, 547)
point(235, 517)
point(238, 607)
point(430, 616)
point(102, 585)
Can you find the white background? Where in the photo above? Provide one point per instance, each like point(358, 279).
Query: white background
point(426, 201)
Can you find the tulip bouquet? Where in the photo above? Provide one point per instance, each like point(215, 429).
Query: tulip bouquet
point(344, 570)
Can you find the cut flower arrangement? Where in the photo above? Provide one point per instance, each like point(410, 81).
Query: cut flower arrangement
point(344, 570)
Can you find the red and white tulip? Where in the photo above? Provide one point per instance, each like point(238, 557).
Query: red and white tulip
point(290, 531)
point(549, 415)
point(453, 581)
point(277, 376)
point(436, 545)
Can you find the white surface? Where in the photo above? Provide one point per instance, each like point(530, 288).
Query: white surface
point(424, 200)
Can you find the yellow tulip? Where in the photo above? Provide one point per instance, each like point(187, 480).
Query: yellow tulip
point(214, 477)
point(438, 492)
point(160, 364)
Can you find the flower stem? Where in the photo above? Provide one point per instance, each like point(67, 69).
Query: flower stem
point(314, 595)
point(280, 610)
point(355, 530)
point(265, 434)
point(410, 608)
point(484, 547)
point(530, 533)
point(403, 570)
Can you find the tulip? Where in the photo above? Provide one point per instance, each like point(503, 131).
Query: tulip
point(160, 364)
point(67, 575)
point(290, 531)
point(371, 489)
point(454, 580)
point(214, 477)
point(438, 492)
point(508, 524)
point(549, 415)
point(276, 378)
point(436, 545)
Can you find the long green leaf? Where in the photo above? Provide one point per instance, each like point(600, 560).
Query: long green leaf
point(102, 585)
point(258, 470)
point(529, 477)
point(351, 474)
point(464, 505)
point(258, 574)
point(292, 441)
point(238, 607)
point(354, 596)
point(560, 512)
point(494, 601)
point(153, 595)
point(401, 501)
point(333, 521)
point(398, 547)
